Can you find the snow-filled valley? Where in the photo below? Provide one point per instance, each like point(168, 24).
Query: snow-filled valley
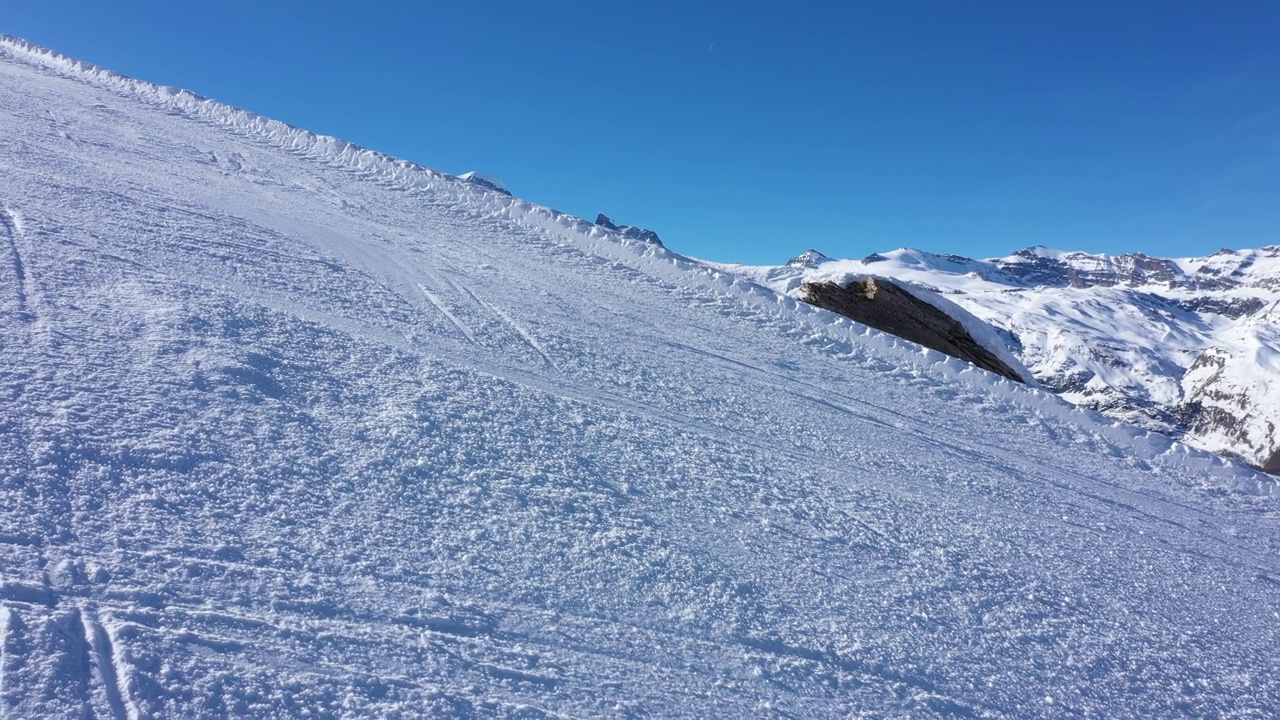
point(291, 428)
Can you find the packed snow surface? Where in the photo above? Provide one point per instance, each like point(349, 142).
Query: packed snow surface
point(288, 427)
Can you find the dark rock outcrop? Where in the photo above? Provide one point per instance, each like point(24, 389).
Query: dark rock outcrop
point(885, 306)
point(635, 233)
point(1234, 308)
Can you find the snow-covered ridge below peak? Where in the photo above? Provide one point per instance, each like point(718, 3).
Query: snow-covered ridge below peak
point(278, 133)
point(468, 188)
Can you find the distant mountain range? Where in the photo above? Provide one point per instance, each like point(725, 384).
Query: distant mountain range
point(1185, 346)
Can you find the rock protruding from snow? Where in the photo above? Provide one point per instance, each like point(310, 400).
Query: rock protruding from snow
point(885, 305)
point(635, 233)
point(486, 181)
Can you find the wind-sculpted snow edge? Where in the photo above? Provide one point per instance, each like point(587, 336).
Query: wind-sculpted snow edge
point(279, 133)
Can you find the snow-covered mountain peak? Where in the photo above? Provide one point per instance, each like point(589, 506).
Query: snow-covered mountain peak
point(1044, 267)
point(1040, 251)
point(810, 258)
point(1224, 270)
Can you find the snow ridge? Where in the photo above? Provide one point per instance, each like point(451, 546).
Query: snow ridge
point(279, 134)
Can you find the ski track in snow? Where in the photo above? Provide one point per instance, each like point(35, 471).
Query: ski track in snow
point(517, 327)
point(11, 227)
point(109, 670)
point(444, 310)
point(320, 430)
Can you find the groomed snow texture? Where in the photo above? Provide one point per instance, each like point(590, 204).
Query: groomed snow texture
point(288, 427)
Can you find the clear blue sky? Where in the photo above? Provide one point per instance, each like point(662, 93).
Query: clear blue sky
point(751, 131)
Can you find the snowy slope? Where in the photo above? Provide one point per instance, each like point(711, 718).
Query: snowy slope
point(288, 427)
point(1181, 346)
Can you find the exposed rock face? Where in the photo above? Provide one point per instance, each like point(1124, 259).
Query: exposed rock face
point(1228, 400)
point(886, 306)
point(635, 233)
point(1081, 270)
point(1234, 308)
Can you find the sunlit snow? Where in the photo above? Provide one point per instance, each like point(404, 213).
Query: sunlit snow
point(288, 427)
